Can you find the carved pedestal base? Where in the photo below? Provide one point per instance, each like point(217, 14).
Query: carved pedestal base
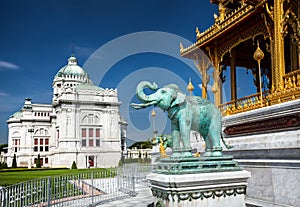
point(192, 165)
point(217, 189)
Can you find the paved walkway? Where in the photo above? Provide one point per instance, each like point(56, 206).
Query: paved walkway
point(143, 199)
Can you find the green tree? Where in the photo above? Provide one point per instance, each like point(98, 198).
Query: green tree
point(38, 162)
point(147, 145)
point(74, 166)
point(14, 162)
point(2, 146)
point(142, 145)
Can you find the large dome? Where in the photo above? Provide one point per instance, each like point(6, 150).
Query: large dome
point(71, 69)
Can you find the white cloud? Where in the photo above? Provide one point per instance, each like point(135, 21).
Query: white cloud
point(8, 65)
point(3, 94)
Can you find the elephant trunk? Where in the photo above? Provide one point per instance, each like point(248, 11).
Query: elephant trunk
point(140, 91)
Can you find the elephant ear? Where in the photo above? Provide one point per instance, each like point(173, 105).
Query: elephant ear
point(180, 99)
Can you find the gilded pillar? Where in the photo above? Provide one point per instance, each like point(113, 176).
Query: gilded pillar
point(278, 59)
point(204, 91)
point(233, 75)
point(216, 89)
point(220, 84)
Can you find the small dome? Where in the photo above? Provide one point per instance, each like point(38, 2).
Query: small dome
point(71, 69)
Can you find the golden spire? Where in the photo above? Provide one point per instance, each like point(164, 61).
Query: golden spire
point(190, 87)
point(258, 56)
point(153, 113)
point(198, 34)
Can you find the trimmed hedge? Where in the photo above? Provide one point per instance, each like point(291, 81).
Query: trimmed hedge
point(74, 166)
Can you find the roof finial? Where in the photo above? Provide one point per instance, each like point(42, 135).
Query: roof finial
point(72, 60)
point(190, 87)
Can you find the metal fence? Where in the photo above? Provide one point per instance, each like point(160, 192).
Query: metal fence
point(86, 189)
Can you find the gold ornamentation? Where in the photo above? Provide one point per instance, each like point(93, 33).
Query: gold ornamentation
point(190, 87)
point(274, 22)
point(229, 19)
point(244, 104)
point(222, 9)
point(291, 89)
point(153, 113)
point(258, 54)
point(162, 149)
point(236, 39)
point(269, 11)
point(181, 47)
point(203, 64)
point(278, 66)
point(197, 33)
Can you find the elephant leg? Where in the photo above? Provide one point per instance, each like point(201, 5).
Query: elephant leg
point(208, 146)
point(175, 138)
point(185, 129)
point(216, 149)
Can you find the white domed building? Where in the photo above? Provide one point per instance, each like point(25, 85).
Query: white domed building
point(83, 124)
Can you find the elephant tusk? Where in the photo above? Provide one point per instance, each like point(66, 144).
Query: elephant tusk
point(141, 106)
point(137, 106)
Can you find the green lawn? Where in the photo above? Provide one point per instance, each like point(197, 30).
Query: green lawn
point(10, 178)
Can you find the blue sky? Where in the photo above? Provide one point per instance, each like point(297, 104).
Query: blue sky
point(37, 37)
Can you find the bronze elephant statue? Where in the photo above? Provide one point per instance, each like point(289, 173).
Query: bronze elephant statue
point(186, 113)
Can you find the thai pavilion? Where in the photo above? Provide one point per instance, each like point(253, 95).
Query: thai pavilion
point(260, 37)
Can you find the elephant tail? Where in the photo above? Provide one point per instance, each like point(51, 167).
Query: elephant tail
point(226, 145)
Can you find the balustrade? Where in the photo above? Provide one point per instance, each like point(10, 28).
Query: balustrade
point(292, 80)
point(244, 104)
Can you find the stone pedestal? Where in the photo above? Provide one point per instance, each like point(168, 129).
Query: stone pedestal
point(214, 189)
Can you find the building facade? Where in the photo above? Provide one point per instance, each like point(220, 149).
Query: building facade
point(135, 153)
point(83, 124)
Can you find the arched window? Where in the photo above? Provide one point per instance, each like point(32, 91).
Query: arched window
point(91, 119)
point(90, 131)
point(41, 140)
point(16, 138)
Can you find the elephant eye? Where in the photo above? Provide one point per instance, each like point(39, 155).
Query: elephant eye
point(163, 91)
